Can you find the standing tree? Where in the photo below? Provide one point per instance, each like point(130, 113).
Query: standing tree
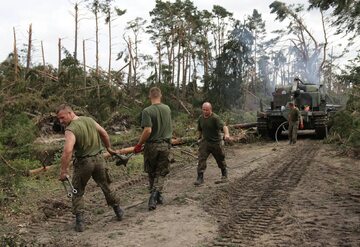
point(29, 47)
point(136, 26)
point(94, 6)
point(228, 77)
point(346, 13)
point(256, 25)
point(106, 8)
point(222, 18)
point(76, 17)
point(204, 53)
point(308, 48)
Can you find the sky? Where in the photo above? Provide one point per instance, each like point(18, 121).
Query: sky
point(53, 19)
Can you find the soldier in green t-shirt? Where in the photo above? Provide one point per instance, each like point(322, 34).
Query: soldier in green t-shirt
point(83, 137)
point(294, 118)
point(156, 135)
point(210, 142)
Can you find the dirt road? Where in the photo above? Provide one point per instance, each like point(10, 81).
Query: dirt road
point(277, 195)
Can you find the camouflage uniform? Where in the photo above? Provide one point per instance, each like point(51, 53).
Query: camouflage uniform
point(157, 146)
point(88, 163)
point(156, 164)
point(211, 142)
point(294, 118)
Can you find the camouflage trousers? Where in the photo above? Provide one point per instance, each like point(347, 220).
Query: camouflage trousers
point(293, 129)
point(84, 169)
point(207, 148)
point(157, 164)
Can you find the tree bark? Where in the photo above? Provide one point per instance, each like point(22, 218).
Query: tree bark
point(16, 61)
point(76, 29)
point(84, 67)
point(59, 57)
point(43, 60)
point(28, 57)
point(110, 37)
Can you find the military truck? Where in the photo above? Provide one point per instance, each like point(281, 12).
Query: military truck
point(311, 101)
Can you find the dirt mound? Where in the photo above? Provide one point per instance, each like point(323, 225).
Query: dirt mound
point(53, 208)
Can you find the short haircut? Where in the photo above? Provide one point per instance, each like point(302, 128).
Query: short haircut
point(155, 92)
point(64, 107)
point(207, 104)
point(291, 103)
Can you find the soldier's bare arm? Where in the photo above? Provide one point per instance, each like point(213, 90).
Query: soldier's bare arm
point(67, 154)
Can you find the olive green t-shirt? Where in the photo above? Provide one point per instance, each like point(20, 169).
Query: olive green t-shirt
point(210, 127)
point(158, 117)
point(88, 142)
point(294, 115)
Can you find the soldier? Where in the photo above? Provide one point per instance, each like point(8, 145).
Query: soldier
point(209, 127)
point(293, 118)
point(83, 136)
point(156, 135)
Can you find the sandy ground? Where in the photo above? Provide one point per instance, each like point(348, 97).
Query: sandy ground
point(277, 195)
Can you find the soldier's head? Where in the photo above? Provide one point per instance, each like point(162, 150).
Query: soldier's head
point(155, 94)
point(206, 109)
point(291, 105)
point(65, 114)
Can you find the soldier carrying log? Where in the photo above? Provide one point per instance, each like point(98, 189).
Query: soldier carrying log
point(156, 135)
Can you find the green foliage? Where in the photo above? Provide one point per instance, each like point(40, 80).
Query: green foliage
point(346, 128)
point(17, 130)
point(238, 116)
point(135, 165)
point(346, 13)
point(227, 80)
point(184, 125)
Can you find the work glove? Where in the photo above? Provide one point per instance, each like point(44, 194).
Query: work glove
point(138, 148)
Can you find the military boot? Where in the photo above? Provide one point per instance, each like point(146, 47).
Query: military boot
point(118, 212)
point(159, 198)
point(224, 174)
point(153, 200)
point(79, 222)
point(199, 179)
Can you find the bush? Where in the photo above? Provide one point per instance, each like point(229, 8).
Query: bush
point(17, 130)
point(238, 116)
point(346, 129)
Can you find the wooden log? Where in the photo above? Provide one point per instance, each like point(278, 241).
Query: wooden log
point(127, 150)
point(39, 170)
point(243, 125)
point(106, 155)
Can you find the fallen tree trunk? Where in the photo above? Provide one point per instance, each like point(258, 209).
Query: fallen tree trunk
point(243, 125)
point(39, 170)
point(127, 150)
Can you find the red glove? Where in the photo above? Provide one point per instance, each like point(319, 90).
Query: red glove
point(138, 148)
point(301, 126)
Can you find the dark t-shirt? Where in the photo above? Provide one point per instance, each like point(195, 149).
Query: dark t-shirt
point(158, 117)
point(210, 127)
point(88, 142)
point(294, 115)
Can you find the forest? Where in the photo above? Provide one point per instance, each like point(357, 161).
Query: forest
point(199, 55)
